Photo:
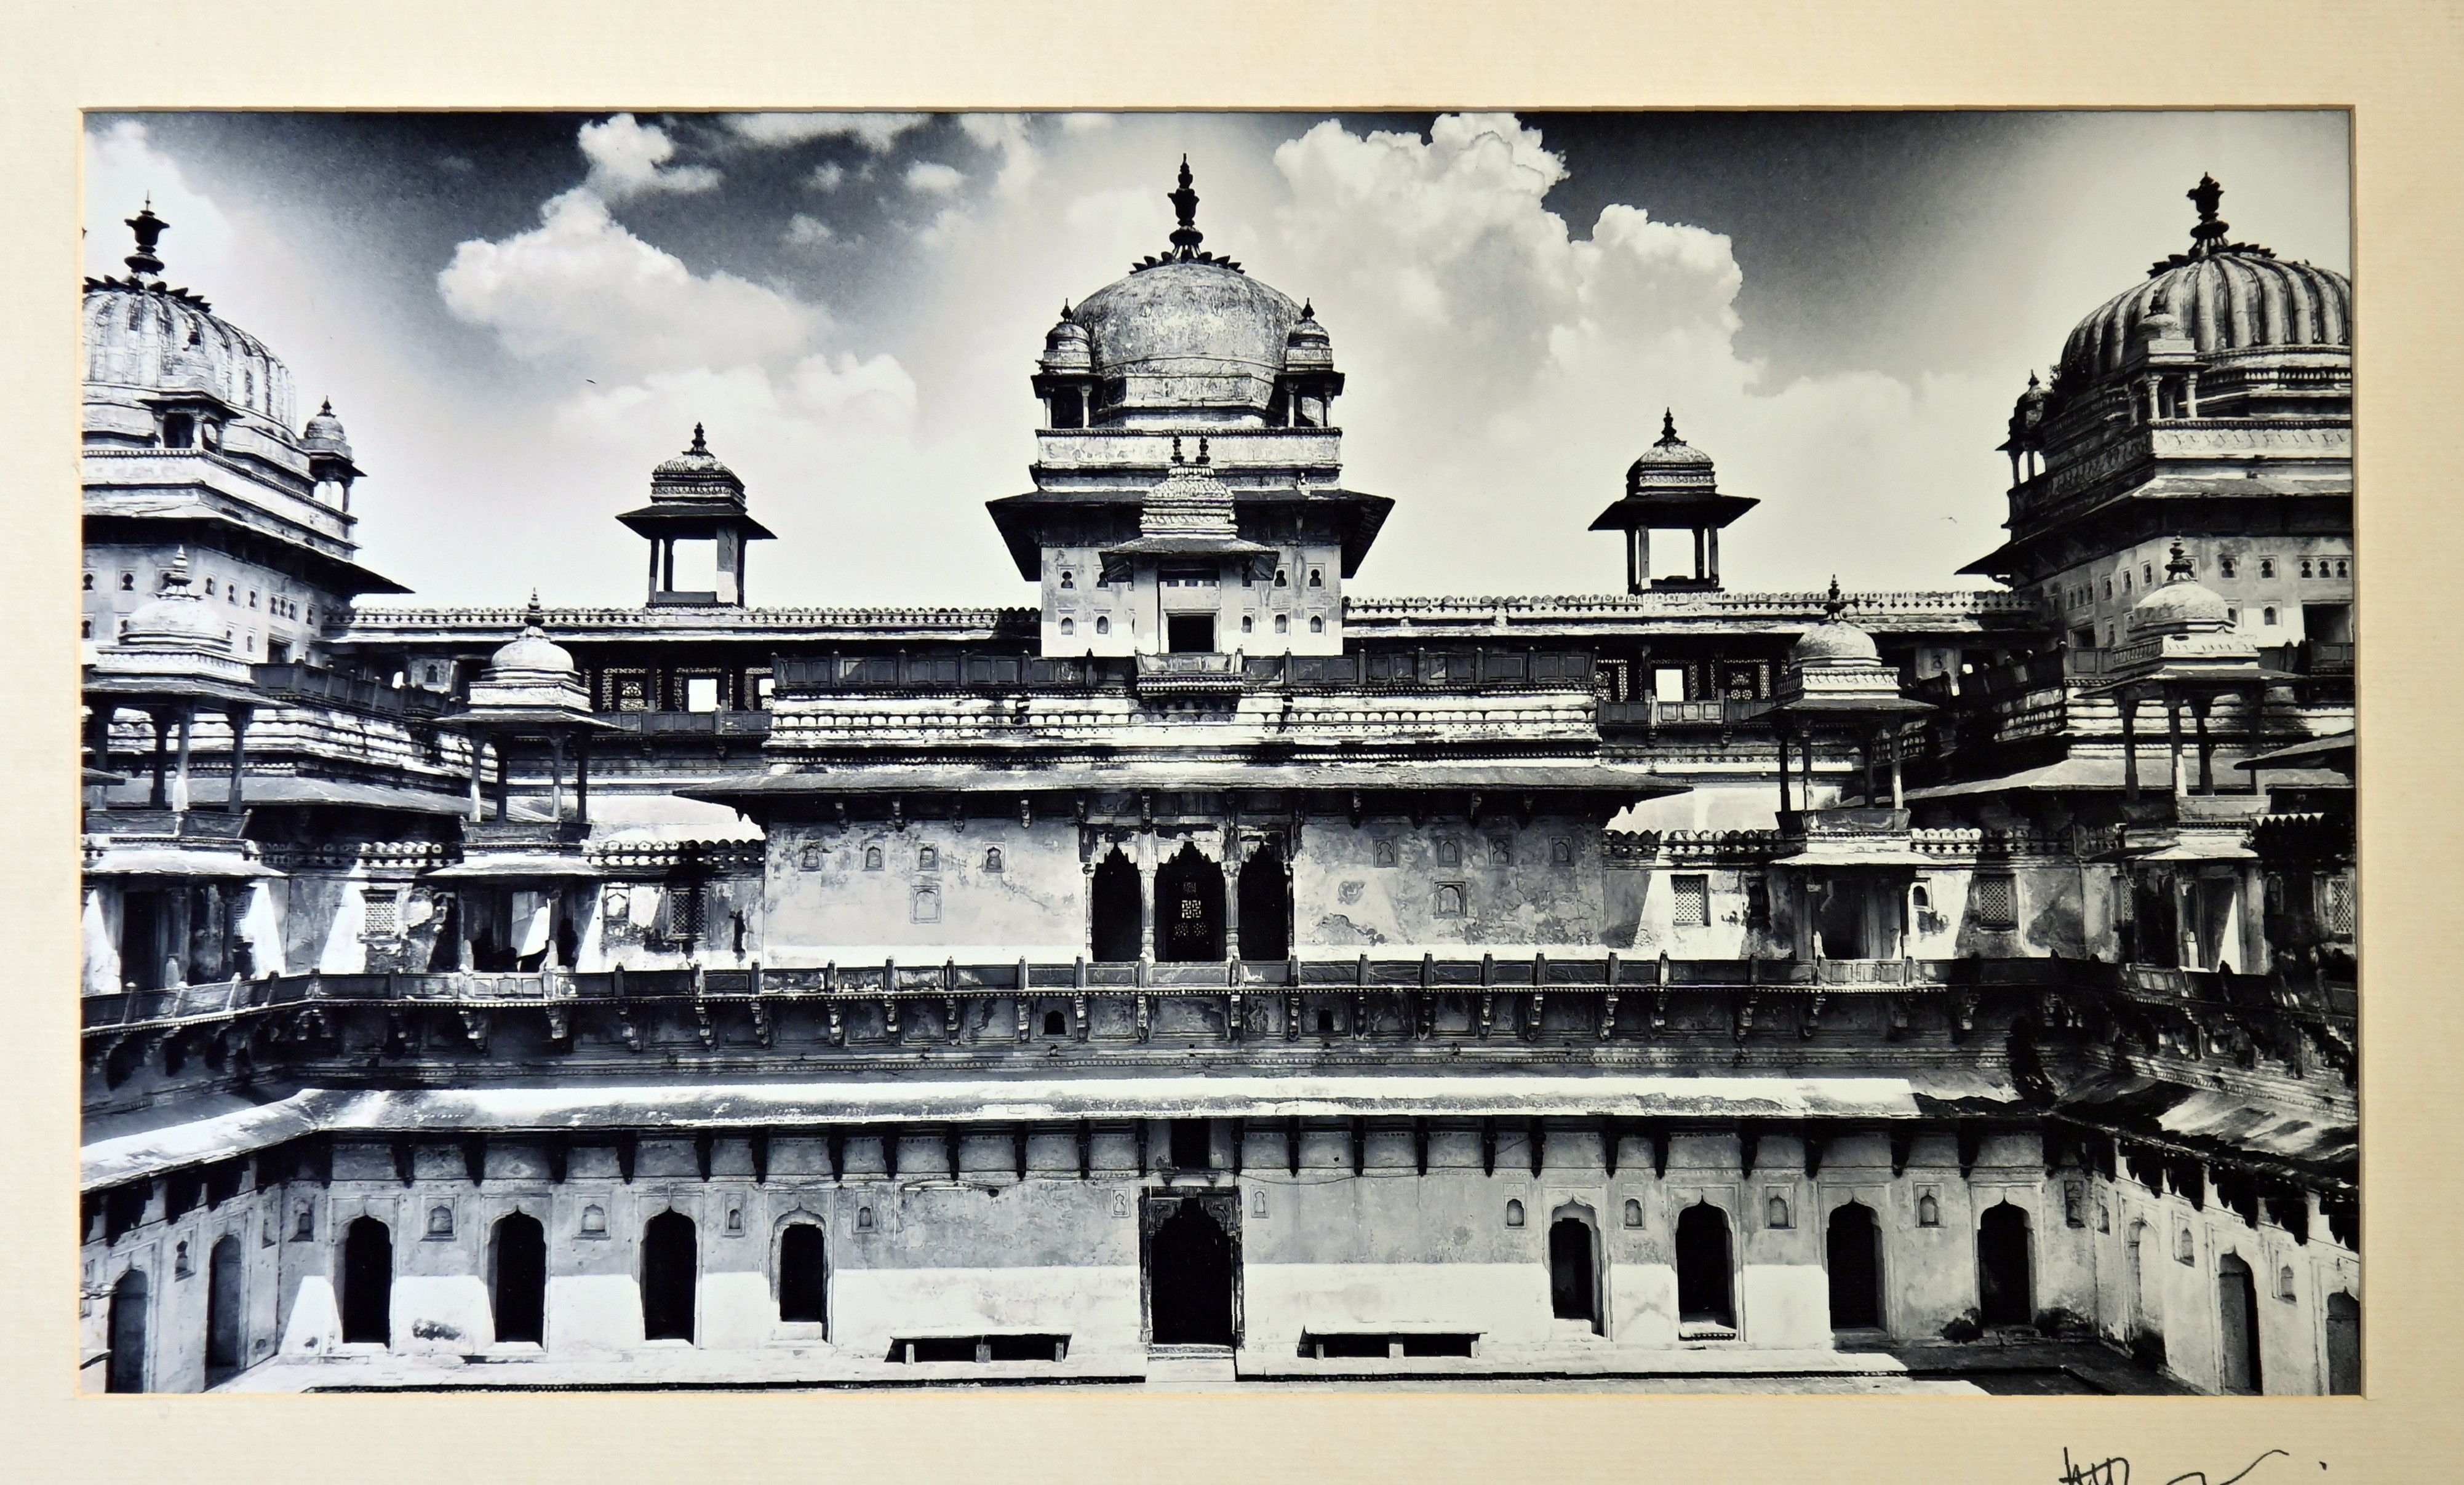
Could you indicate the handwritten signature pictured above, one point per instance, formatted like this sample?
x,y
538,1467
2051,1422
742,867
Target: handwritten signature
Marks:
x,y
2117,1471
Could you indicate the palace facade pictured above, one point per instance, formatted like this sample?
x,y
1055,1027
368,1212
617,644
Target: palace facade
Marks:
x,y
1204,974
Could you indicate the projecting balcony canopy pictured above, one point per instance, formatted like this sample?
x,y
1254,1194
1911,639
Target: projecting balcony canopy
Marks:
x,y
1022,519
171,861
1500,781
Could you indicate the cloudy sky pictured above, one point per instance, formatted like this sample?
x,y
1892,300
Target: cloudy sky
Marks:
x,y
516,316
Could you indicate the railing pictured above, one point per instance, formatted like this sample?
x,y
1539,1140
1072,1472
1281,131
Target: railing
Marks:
x,y
1588,972
309,683
1652,713
1454,665
690,724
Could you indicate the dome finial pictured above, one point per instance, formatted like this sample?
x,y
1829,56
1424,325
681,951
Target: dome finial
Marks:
x,y
1308,309
535,618
2181,567
698,446
1835,606
1668,427
177,579
1067,316
1203,457
1176,448
2209,234
149,229
1186,237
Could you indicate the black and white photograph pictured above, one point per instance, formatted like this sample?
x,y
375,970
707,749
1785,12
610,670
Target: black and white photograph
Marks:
x,y
1615,752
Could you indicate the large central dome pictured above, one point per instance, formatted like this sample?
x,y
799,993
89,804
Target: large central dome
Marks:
x,y
1188,331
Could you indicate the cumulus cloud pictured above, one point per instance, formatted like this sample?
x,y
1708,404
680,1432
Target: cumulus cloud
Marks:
x,y
930,177
807,232
876,132
579,287
1504,371
827,177
628,158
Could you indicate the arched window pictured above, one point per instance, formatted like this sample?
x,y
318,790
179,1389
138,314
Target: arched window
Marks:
x,y
1775,1213
1317,578
926,905
2186,1246
2305,567
993,859
2004,1295
1449,853
2147,573
864,1219
872,858
1632,1212
85,628
2225,566
518,1278
594,1221
225,1317
1069,625
1055,1024
1069,580
1283,579
1574,1271
1283,623
1703,1277
1103,624
803,1279
1382,853
2125,584
89,582
2267,616
2343,569
928,858
2108,589
671,1265
126,1370
1514,1214
1317,625
127,583
1326,1027
1248,624
1852,1254
809,859
440,1221
1561,853
2287,1286
367,1282
1928,1210
2237,1326
2267,567
1449,903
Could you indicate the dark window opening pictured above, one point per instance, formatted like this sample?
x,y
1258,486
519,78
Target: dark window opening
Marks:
x,y
126,1370
2004,1295
1190,1260
1324,1021
1265,906
225,1319
1854,1257
804,1288
1189,908
1703,1278
517,1278
1117,909
1055,1024
179,430
1192,1145
1572,1293
669,1264
367,1282
1189,634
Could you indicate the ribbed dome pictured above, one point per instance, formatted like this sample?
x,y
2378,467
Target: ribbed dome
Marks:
x,y
1189,318
2180,604
142,333
1833,639
176,619
532,658
1669,465
323,433
696,475
2226,297
1067,345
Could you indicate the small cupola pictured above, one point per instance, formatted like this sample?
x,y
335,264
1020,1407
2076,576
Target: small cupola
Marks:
x,y
1672,488
698,524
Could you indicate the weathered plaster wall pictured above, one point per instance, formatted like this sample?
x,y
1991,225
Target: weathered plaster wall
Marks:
x,y
1380,885
824,903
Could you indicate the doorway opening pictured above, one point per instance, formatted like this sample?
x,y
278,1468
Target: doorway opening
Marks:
x,y
803,1276
2237,1326
669,1262
1266,904
225,1317
1854,1255
1704,1296
1574,1271
367,1282
1190,634
1114,908
2004,1287
1192,1264
126,1372
1189,910
517,1278
2343,1344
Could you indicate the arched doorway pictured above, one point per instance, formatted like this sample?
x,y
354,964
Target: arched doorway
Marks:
x,y
804,1278
518,1278
2004,1292
1574,1271
2343,1344
1189,1271
1265,906
669,1271
2237,1326
1113,906
126,1372
1852,1251
367,1282
1189,908
225,1316
1703,1278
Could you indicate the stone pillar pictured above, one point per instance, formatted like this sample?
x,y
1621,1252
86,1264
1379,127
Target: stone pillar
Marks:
x,y
556,776
180,779
1808,770
1642,559
504,783
2128,705
654,565
239,719
2175,779
1232,894
2207,751
1147,900
159,796
478,761
1712,537
582,778
1782,730
1898,801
